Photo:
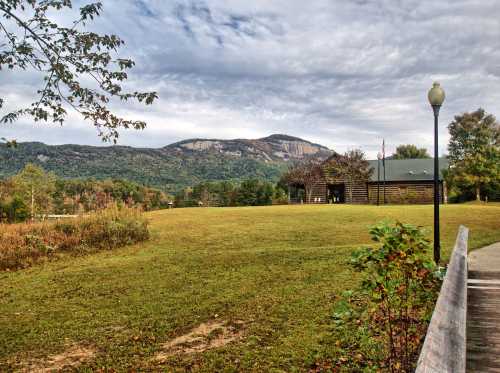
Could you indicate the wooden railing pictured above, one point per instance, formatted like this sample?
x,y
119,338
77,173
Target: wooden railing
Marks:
x,y
444,348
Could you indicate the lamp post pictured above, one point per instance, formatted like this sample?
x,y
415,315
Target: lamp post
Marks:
x,y
436,98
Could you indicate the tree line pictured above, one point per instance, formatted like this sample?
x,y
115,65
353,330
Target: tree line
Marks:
x,y
35,193
251,192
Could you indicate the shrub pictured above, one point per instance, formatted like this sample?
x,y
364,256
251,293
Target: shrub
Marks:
x,y
22,245
383,323
13,210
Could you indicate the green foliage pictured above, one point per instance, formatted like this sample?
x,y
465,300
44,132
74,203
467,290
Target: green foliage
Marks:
x,y
250,192
67,58
390,311
474,154
410,151
13,210
280,195
35,186
42,193
25,244
254,193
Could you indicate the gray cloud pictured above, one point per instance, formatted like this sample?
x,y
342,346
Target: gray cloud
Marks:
x,y
342,73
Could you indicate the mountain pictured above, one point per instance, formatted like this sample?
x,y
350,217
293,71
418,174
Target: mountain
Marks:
x,y
172,167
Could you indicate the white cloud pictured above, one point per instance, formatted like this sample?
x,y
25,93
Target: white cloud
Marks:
x,y
342,73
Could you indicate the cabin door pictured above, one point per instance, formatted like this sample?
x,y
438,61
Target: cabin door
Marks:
x,y
336,193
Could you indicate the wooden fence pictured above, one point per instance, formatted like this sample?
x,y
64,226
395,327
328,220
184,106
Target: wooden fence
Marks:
x,y
444,348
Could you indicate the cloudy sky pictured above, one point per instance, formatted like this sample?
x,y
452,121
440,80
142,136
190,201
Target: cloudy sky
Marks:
x,y
343,73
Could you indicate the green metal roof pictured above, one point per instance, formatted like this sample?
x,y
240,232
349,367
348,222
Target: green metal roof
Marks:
x,y
408,169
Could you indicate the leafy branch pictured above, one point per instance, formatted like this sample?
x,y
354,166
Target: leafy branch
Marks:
x,y
67,57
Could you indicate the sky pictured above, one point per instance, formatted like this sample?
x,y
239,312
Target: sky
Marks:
x,y
342,73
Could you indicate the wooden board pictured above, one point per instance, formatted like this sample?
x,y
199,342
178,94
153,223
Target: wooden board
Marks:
x,y
483,322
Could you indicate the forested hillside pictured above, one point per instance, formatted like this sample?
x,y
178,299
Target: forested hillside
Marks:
x,y
170,168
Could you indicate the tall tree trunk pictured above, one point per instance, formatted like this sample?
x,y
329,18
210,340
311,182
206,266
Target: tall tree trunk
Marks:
x,y
478,193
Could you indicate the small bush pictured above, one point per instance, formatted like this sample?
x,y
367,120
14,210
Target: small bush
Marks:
x,y
383,323
22,245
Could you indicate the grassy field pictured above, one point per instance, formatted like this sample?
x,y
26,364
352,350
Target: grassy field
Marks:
x,y
262,278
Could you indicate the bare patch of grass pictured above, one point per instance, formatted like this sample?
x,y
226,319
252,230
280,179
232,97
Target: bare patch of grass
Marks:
x,y
212,334
72,357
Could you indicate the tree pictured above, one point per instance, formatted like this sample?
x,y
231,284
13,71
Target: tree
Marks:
x,y
351,167
36,187
12,207
265,194
410,151
247,193
78,68
253,192
13,210
307,174
474,151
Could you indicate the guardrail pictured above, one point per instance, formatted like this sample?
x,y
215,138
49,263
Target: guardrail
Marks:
x,y
444,347
54,217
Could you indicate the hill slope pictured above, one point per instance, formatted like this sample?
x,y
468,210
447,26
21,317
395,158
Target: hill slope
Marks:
x,y
266,270
171,167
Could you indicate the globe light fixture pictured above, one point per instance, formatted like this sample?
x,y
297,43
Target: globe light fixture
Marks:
x,y
436,95
436,98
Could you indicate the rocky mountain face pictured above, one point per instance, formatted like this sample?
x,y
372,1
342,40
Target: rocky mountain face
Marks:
x,y
172,167
267,149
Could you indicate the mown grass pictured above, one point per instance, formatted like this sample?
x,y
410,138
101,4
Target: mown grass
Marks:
x,y
278,269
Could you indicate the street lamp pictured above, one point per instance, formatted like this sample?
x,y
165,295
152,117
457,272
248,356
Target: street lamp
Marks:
x,y
436,98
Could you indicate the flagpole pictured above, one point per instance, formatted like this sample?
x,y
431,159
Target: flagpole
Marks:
x,y
383,164
379,156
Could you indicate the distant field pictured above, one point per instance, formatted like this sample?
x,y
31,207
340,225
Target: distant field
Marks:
x,y
260,280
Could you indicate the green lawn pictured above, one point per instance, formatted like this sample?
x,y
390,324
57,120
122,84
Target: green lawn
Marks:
x,y
276,269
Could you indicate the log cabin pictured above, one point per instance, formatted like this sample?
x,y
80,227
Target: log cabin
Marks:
x,y
407,181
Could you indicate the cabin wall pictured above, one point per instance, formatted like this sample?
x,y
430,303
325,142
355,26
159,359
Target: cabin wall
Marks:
x,y
318,193
359,192
411,192
359,189
396,192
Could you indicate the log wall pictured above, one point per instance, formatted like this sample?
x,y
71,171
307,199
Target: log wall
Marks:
x,y
404,192
396,192
411,192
